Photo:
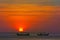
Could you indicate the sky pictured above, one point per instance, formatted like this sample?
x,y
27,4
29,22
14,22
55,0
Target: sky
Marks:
x,y
32,15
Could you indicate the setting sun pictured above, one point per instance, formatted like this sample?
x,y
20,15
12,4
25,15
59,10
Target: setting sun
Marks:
x,y
20,29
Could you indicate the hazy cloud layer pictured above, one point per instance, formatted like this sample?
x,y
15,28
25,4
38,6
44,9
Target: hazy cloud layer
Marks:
x,y
38,2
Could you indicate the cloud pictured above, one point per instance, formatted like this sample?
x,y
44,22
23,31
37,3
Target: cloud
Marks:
x,y
38,2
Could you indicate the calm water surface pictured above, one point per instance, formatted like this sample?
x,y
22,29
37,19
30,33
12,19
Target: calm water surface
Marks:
x,y
30,39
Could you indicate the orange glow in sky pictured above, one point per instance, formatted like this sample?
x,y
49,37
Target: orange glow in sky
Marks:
x,y
30,16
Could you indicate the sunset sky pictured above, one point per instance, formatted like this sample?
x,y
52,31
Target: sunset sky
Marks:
x,y
32,15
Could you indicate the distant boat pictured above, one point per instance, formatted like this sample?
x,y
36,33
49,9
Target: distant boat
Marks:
x,y
23,34
43,34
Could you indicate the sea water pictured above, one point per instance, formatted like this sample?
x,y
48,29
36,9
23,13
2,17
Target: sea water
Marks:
x,y
13,36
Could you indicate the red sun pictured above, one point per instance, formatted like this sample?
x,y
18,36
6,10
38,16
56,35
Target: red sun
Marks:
x,y
21,29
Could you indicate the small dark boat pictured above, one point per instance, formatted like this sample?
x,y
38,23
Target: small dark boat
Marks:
x,y
23,34
43,34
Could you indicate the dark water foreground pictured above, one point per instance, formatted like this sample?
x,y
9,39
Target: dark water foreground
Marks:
x,y
29,38
13,36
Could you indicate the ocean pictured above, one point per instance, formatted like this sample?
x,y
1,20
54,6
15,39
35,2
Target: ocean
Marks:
x,y
30,39
13,36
